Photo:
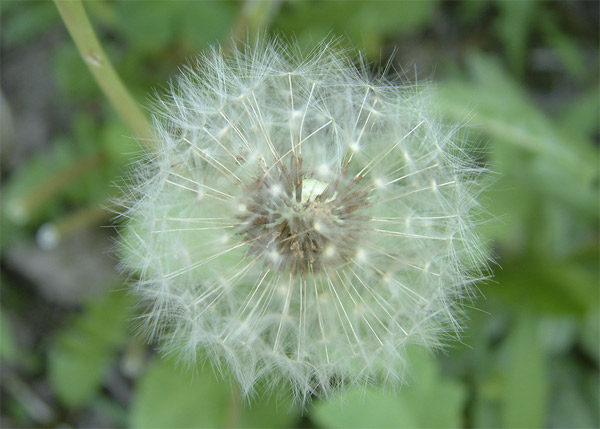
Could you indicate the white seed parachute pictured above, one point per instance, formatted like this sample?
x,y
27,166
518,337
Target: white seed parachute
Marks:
x,y
300,222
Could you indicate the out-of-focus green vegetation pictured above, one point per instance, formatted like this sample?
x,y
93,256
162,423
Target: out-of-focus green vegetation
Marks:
x,y
521,76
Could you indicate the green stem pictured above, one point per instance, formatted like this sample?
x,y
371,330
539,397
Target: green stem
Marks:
x,y
234,408
80,28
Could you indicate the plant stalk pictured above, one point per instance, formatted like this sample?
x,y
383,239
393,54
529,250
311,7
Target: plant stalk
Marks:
x,y
76,20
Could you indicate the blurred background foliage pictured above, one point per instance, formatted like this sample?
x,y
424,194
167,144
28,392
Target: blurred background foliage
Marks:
x,y
523,76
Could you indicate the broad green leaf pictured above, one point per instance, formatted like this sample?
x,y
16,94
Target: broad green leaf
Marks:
x,y
525,393
360,408
83,350
428,401
169,395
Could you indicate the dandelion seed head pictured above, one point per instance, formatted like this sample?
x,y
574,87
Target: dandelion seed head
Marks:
x,y
299,221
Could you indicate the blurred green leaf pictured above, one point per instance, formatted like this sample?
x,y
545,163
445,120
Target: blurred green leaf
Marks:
x,y
581,116
168,396
558,334
84,349
147,25
25,21
205,23
508,198
513,26
23,182
111,410
575,399
485,412
103,15
80,169
274,410
397,17
566,49
119,145
590,335
160,24
110,147
537,284
8,347
556,184
10,230
526,393
71,74
364,24
76,373
172,396
499,108
469,12
364,409
429,401
474,358
537,165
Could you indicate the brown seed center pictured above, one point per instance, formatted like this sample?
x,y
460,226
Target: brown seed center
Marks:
x,y
300,223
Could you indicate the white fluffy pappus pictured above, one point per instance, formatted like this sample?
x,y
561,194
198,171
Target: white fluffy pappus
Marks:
x,y
300,222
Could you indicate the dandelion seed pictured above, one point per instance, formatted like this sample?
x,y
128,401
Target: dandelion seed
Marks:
x,y
300,222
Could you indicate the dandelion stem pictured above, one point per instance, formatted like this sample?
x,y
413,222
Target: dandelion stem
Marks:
x,y
234,407
80,29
